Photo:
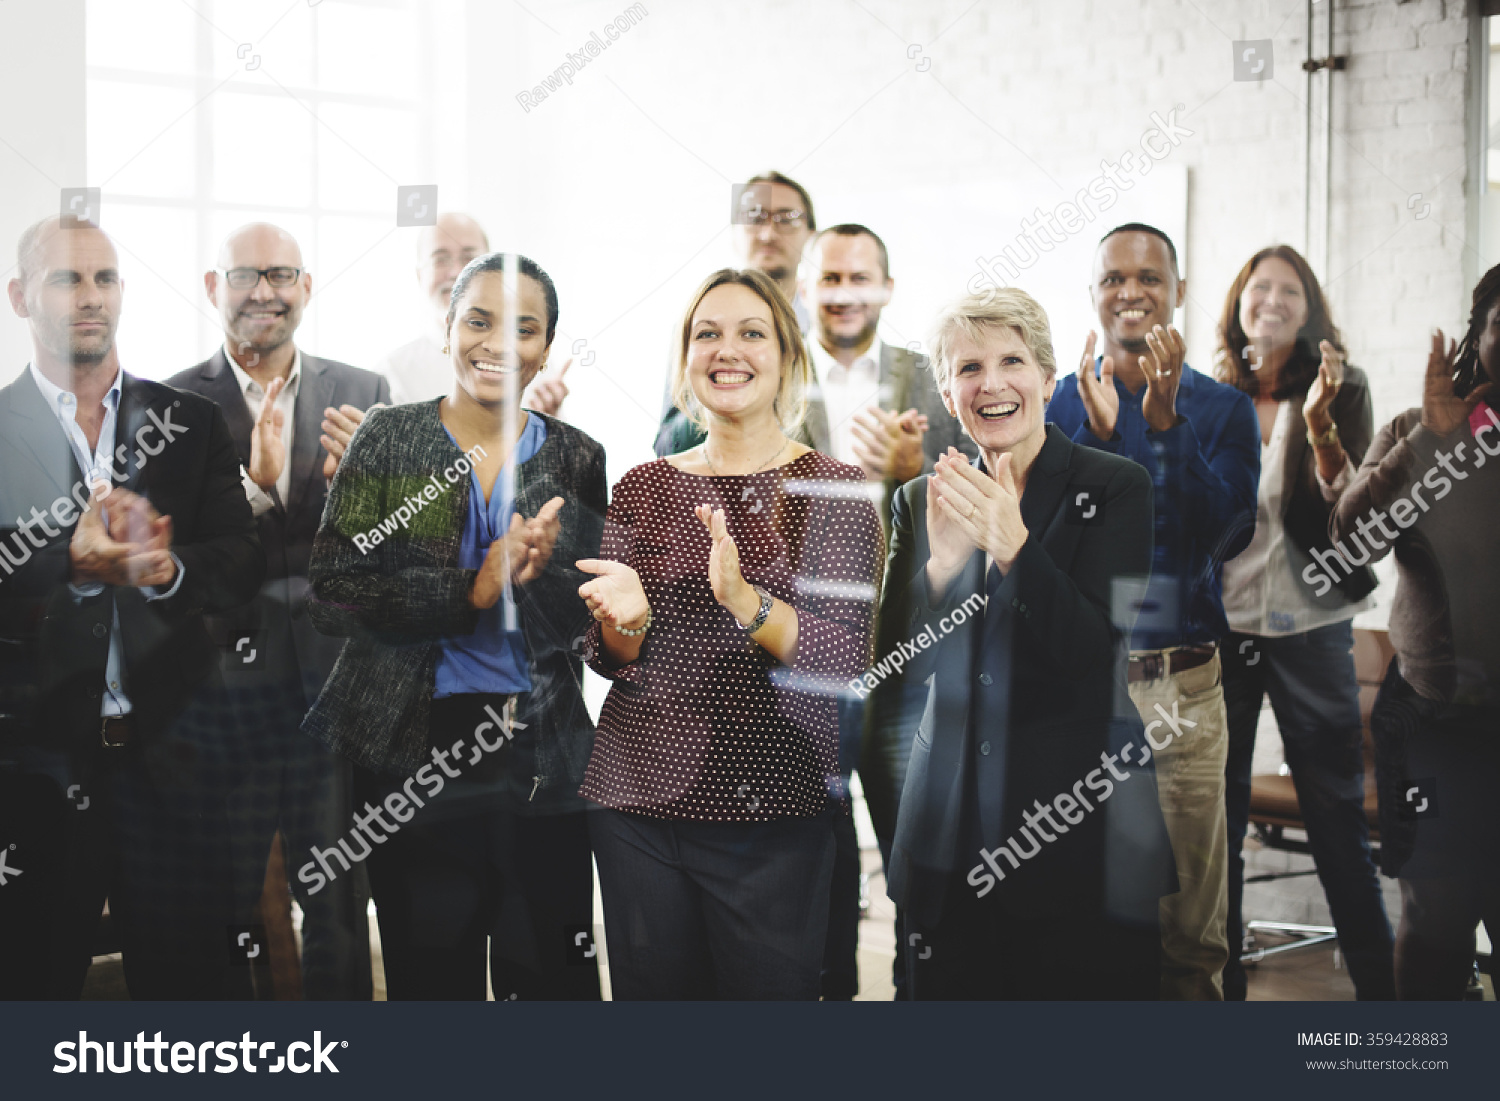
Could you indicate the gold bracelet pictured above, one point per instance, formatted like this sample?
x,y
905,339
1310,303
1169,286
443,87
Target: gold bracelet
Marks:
x,y
1327,439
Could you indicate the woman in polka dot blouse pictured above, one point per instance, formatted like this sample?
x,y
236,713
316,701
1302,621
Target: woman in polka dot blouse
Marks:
x,y
732,597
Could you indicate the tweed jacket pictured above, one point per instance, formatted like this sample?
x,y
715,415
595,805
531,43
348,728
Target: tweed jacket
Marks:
x,y
397,602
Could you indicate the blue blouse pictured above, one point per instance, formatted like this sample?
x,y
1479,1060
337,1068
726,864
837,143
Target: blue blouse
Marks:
x,y
492,659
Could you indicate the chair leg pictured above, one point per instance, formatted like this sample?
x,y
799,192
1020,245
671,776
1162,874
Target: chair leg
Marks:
x,y
1307,936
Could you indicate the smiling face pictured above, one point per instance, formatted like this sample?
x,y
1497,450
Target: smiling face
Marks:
x,y
998,391
733,355
850,289
489,367
1135,288
261,318
71,295
1273,305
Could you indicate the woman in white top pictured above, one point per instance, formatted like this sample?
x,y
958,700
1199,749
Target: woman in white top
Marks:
x,y
1290,598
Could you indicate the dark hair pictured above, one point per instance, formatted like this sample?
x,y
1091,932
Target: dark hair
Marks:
x,y
1468,372
1142,227
1302,365
495,261
787,181
854,229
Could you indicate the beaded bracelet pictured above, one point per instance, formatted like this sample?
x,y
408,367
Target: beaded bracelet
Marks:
x,y
637,632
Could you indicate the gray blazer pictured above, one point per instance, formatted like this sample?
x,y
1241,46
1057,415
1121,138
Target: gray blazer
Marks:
x,y
397,603
294,650
906,382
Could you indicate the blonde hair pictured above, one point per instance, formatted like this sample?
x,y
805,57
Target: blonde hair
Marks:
x,y
999,307
796,366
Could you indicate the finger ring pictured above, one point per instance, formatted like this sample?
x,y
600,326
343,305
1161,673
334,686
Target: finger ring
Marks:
x,y
972,509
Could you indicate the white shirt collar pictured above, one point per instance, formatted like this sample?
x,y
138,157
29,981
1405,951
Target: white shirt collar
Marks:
x,y
245,381
823,361
54,394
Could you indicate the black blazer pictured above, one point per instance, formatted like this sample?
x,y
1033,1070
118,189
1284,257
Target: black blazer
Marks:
x,y
278,616
1024,696
1305,514
53,646
397,603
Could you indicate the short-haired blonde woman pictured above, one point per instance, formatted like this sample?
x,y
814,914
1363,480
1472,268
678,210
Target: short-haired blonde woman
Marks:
x,y
733,596
1030,852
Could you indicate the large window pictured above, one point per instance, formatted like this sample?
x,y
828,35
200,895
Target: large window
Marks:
x,y
205,114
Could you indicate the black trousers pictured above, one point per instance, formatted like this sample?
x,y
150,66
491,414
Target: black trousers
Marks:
x,y
975,952
471,875
141,827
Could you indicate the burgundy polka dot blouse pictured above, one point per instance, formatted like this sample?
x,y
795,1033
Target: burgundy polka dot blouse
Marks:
x,y
705,724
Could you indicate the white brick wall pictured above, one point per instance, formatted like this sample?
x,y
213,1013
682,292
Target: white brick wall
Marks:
x,y
740,86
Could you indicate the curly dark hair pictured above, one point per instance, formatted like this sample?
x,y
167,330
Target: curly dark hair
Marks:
x,y
1302,366
1468,372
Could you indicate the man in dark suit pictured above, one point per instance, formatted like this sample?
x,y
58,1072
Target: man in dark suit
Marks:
x,y
291,416
129,526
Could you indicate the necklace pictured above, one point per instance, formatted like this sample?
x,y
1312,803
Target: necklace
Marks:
x,y
757,470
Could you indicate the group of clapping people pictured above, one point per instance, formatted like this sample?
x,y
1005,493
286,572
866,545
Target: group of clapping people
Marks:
x,y
1058,780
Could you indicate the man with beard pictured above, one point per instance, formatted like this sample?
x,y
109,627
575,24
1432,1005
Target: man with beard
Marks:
x,y
769,238
130,525
1200,442
875,406
291,416
419,370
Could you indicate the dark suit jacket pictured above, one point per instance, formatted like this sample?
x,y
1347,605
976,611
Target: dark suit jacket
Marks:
x,y
295,650
397,603
54,645
1305,514
1025,696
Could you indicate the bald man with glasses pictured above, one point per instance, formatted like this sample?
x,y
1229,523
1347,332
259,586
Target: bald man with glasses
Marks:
x,y
291,416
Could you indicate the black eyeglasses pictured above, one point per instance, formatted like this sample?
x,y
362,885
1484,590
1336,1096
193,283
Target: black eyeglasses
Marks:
x,y
784,220
242,279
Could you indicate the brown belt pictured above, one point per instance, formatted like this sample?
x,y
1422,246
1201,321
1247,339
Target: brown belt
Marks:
x,y
1155,664
116,733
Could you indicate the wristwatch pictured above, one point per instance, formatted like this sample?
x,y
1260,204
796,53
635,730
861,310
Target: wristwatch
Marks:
x,y
762,615
1326,439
